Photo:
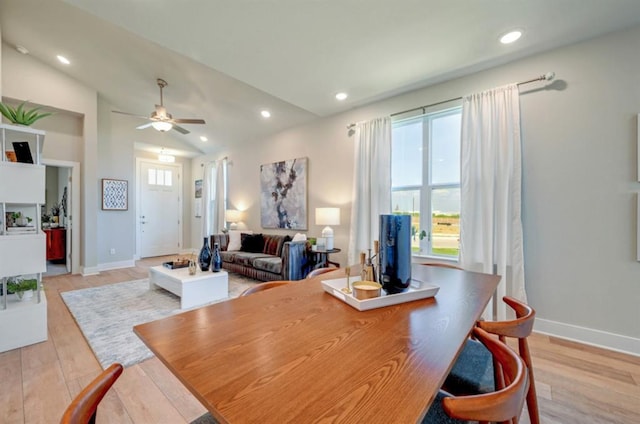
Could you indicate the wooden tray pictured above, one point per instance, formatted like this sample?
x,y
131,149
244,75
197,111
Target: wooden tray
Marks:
x,y
417,290
175,265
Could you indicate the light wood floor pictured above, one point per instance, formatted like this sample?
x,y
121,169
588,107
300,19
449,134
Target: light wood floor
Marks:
x,y
576,383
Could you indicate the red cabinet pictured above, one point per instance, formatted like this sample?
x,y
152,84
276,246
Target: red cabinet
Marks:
x,y
56,243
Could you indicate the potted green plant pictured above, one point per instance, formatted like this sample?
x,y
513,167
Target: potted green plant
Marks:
x,y
20,115
55,212
23,288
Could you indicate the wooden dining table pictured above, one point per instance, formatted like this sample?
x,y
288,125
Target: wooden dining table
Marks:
x,y
296,354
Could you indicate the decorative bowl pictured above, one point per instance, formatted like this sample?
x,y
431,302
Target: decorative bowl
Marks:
x,y
366,290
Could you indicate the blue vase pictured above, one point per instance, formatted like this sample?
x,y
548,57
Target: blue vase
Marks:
x,y
395,253
204,258
216,261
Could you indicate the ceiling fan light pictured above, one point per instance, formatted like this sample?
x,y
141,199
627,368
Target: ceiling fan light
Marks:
x,y
162,125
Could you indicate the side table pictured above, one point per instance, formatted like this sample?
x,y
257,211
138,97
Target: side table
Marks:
x,y
322,258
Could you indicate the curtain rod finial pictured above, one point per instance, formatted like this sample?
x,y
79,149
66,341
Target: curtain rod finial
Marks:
x,y
549,76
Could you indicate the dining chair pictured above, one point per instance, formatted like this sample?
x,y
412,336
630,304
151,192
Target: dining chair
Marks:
x,y
319,271
504,405
82,410
476,371
264,286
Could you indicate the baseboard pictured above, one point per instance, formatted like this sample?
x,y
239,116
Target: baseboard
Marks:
x,y
616,342
117,265
85,271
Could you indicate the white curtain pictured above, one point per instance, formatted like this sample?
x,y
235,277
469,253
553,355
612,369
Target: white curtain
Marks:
x,y
214,195
371,184
491,168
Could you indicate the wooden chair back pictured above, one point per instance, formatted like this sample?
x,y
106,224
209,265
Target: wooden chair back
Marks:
x,y
519,328
320,271
82,409
502,405
264,286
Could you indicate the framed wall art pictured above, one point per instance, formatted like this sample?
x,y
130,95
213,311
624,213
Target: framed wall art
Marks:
x,y
115,195
283,194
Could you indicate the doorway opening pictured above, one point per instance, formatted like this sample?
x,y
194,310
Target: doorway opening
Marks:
x,y
62,205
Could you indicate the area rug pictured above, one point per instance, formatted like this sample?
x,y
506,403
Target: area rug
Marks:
x,y
107,314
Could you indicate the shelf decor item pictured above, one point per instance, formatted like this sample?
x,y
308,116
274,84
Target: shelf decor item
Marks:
x,y
114,195
395,253
204,258
20,115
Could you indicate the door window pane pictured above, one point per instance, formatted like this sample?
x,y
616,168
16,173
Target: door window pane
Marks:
x,y
152,176
160,177
167,178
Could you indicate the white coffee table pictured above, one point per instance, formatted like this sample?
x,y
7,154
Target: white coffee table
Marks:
x,y
193,290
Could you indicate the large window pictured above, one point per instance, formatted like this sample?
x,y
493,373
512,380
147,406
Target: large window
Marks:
x,y
425,180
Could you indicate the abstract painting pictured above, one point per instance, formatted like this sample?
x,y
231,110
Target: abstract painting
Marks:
x,y
283,194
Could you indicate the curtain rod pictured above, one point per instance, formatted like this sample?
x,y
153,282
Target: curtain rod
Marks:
x,y
214,161
546,77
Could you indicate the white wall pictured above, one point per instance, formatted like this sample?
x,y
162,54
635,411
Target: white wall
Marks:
x,y
579,182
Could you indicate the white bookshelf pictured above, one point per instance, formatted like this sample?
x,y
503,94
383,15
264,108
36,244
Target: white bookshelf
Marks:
x,y
22,245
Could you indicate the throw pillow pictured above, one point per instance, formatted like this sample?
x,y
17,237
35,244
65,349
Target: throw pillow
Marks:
x,y
299,237
235,242
273,244
253,243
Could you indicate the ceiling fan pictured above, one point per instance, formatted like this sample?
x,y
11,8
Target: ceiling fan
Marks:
x,y
162,120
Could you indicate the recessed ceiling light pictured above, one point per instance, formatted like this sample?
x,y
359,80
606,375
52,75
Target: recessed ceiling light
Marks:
x,y
265,114
203,138
22,49
63,59
510,37
341,96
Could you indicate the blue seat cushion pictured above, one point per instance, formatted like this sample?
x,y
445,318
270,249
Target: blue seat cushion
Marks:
x,y
437,415
472,372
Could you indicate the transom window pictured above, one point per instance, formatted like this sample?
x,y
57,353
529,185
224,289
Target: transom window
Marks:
x,y
425,180
160,177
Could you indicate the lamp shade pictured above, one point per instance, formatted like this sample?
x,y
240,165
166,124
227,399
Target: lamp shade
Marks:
x,y
327,216
233,215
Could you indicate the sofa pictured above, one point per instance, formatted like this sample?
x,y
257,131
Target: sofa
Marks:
x,y
264,257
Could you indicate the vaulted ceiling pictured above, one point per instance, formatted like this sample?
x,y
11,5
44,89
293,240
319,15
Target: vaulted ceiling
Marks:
x,y
225,61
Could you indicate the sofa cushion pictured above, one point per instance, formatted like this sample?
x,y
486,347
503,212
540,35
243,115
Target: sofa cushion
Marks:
x,y
228,256
252,243
269,264
246,258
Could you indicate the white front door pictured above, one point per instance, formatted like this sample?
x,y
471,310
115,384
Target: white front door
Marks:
x,y
159,209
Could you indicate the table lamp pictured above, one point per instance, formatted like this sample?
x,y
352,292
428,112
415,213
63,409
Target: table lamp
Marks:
x,y
233,216
328,216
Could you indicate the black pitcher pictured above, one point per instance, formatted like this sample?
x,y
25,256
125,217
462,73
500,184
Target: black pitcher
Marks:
x,y
204,258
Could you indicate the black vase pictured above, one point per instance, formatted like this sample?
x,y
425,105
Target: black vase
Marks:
x,y
216,262
395,253
204,258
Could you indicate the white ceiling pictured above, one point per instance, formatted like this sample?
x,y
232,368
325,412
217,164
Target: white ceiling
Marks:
x,y
227,60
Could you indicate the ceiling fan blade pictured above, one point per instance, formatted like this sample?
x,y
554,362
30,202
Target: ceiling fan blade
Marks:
x,y
143,126
188,121
180,129
130,114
